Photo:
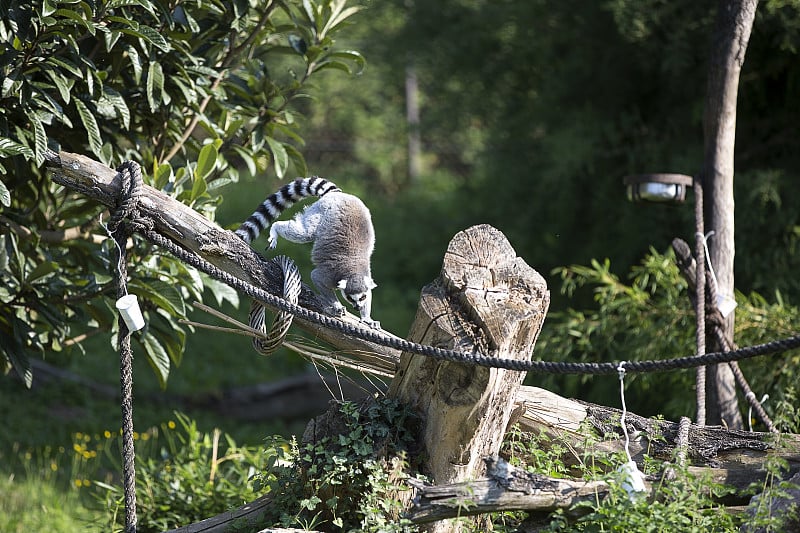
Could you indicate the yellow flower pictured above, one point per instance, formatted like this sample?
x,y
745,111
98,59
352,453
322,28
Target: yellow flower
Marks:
x,y
171,424
78,483
53,466
107,434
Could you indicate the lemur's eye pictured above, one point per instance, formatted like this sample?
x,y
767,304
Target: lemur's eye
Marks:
x,y
363,297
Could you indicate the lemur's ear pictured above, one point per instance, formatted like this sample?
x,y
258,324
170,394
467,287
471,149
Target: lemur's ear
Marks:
x,y
342,284
369,283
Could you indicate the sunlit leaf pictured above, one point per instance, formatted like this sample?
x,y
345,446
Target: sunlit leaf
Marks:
x,y
222,292
40,139
150,35
162,294
155,85
279,156
10,147
162,176
5,200
339,13
206,161
77,18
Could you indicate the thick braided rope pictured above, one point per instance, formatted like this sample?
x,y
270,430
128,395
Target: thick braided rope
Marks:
x,y
273,337
384,338
131,175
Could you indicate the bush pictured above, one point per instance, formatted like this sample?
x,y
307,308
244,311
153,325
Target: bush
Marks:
x,y
193,91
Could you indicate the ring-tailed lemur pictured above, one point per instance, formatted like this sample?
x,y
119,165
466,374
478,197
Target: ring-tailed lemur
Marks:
x,y
339,225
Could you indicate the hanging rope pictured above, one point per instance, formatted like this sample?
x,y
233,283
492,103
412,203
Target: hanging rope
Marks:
x,y
121,227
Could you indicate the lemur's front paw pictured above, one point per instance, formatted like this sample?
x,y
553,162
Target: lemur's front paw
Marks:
x,y
336,309
374,324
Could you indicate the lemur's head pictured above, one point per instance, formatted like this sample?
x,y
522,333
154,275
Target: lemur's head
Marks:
x,y
357,290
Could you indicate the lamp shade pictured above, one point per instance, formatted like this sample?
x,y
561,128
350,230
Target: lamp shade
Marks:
x,y
661,188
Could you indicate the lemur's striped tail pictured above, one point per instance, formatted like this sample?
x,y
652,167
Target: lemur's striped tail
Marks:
x,y
271,208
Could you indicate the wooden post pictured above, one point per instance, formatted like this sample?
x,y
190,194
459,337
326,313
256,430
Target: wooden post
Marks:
x,y
485,299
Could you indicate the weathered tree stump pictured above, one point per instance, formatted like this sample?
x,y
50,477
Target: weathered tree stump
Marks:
x,y
486,299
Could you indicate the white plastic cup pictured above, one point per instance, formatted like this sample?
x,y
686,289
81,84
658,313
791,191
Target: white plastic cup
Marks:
x,y
726,304
128,307
632,480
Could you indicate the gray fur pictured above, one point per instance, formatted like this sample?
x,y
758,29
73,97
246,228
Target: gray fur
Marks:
x,y
340,227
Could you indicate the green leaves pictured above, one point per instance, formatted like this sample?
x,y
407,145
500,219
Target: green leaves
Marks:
x,y
155,85
91,127
5,199
280,158
194,93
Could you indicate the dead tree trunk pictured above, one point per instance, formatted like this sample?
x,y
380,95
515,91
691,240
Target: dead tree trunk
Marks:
x,y
731,34
486,299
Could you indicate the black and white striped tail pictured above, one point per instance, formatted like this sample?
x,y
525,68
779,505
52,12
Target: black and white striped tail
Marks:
x,y
271,208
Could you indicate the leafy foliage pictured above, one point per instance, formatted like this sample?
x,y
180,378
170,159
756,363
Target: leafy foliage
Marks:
x,y
193,476
348,481
650,317
194,91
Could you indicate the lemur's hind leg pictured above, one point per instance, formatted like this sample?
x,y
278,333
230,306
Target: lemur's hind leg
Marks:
x,y
301,229
330,301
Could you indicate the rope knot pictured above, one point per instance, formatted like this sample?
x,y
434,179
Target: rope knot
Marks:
x,y
130,175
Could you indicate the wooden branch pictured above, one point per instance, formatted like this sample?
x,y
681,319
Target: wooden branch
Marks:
x,y
735,458
194,232
506,489
247,515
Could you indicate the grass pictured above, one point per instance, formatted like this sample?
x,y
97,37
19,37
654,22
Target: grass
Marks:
x,y
31,504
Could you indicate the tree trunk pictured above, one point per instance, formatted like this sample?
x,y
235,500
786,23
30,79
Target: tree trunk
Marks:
x,y
729,44
486,299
